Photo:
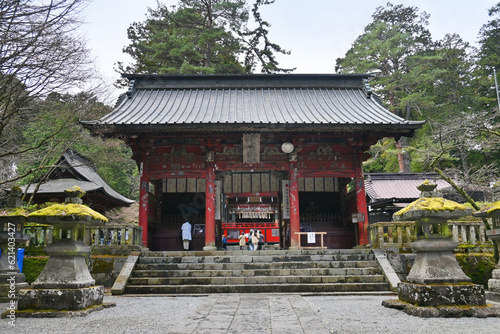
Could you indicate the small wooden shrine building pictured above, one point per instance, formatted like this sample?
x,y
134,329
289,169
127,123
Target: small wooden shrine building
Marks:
x,y
276,153
74,169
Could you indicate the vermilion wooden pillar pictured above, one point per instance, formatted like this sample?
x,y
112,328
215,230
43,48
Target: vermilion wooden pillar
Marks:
x,y
144,201
210,208
294,206
361,200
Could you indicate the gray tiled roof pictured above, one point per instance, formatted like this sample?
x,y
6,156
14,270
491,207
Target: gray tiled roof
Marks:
x,y
289,101
399,186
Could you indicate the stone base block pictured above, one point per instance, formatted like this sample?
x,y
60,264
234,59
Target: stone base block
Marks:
x,y
442,294
56,314
60,299
494,285
493,296
443,311
10,284
495,274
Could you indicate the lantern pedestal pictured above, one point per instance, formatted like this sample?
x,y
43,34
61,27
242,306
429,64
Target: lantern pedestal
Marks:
x,y
12,220
436,285
11,279
65,284
493,292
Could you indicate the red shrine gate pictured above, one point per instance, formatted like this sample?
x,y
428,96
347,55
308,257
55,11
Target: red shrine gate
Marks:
x,y
221,192
229,153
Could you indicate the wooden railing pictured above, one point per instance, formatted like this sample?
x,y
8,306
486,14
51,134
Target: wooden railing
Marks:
x,y
399,234
321,234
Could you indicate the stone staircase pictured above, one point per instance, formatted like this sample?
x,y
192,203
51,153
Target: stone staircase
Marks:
x,y
283,271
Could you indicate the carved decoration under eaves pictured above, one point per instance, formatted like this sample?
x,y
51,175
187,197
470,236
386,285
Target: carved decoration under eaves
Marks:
x,y
230,150
272,150
209,156
293,156
323,150
178,151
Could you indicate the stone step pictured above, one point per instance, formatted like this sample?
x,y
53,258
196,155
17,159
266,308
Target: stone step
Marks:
x,y
258,272
257,280
150,254
256,288
246,258
256,265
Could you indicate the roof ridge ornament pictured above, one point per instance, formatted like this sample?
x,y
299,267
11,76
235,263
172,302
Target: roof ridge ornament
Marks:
x,y
131,88
366,88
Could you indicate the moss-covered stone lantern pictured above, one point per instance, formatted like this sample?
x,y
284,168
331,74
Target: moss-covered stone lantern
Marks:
x,y
65,283
493,211
12,220
436,279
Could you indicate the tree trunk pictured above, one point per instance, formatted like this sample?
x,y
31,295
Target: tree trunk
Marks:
x,y
403,156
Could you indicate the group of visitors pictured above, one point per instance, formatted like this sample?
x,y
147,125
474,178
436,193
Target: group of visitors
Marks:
x,y
255,240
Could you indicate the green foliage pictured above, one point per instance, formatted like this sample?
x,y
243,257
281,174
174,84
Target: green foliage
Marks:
x,y
33,266
201,37
57,117
53,126
384,157
394,46
113,163
442,82
488,56
477,266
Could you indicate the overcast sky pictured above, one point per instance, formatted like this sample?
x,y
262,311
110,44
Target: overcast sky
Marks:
x,y
315,31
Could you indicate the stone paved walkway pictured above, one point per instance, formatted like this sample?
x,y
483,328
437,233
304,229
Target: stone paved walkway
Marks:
x,y
249,314
240,313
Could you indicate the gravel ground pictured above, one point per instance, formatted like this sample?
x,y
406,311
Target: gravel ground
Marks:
x,y
130,315
365,314
158,314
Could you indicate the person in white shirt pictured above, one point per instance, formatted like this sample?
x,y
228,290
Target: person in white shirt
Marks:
x,y
186,235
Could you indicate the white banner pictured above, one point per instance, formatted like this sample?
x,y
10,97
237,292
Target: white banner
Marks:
x,y
285,188
217,203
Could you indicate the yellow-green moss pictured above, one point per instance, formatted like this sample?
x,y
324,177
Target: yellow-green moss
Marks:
x,y
432,204
13,212
33,266
62,210
102,264
494,207
478,266
75,190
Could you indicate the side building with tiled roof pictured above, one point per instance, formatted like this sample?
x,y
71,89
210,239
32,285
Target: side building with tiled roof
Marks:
x,y
389,192
73,169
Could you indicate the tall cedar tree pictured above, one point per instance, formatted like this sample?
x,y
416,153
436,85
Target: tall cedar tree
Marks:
x,y
207,36
394,46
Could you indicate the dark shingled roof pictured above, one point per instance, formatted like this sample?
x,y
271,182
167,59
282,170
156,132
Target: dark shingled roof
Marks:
x,y
84,176
242,102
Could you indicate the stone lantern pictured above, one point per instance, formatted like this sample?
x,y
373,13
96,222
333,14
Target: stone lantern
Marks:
x,y
65,283
12,219
493,211
436,284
